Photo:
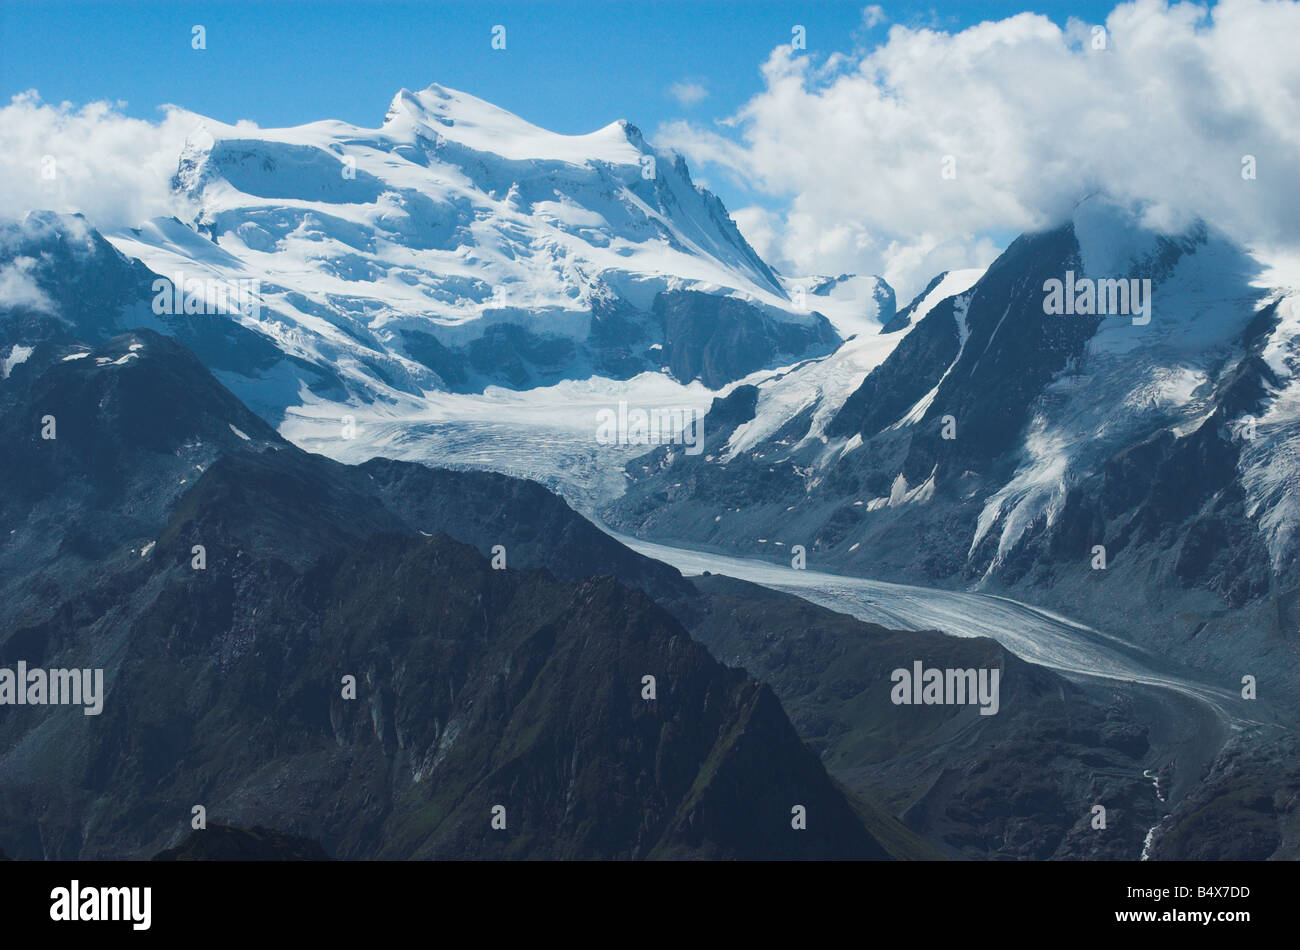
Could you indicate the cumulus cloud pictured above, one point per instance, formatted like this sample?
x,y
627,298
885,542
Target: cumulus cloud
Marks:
x,y
688,93
1026,118
93,159
18,288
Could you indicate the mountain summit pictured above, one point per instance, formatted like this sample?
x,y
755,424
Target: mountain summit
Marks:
x,y
458,246
483,127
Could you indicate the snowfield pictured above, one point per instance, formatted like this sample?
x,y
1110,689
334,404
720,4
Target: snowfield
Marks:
x,y
452,216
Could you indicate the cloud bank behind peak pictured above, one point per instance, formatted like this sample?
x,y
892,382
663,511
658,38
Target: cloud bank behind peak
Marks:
x,y
921,154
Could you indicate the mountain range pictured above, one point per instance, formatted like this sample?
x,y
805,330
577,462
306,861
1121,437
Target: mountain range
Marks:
x,y
1137,476
362,367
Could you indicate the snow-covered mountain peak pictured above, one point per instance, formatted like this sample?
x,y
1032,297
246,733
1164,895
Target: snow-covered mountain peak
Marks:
x,y
567,218
454,116
42,225
1118,240
457,226
1111,237
395,275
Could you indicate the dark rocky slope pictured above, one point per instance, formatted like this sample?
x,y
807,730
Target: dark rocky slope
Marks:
x,y
475,687
225,843
1189,571
1020,784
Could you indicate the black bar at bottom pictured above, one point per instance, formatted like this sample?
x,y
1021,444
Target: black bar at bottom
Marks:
x,y
336,899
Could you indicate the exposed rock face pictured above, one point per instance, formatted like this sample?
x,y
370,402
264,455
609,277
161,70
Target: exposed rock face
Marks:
x,y
720,339
1020,784
1247,809
1003,446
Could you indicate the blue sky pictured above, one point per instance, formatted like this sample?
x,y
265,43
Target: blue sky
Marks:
x,y
829,174
571,67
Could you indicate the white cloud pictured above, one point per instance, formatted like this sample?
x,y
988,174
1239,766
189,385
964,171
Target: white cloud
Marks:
x,y
114,169
758,227
872,16
1034,118
688,93
18,288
